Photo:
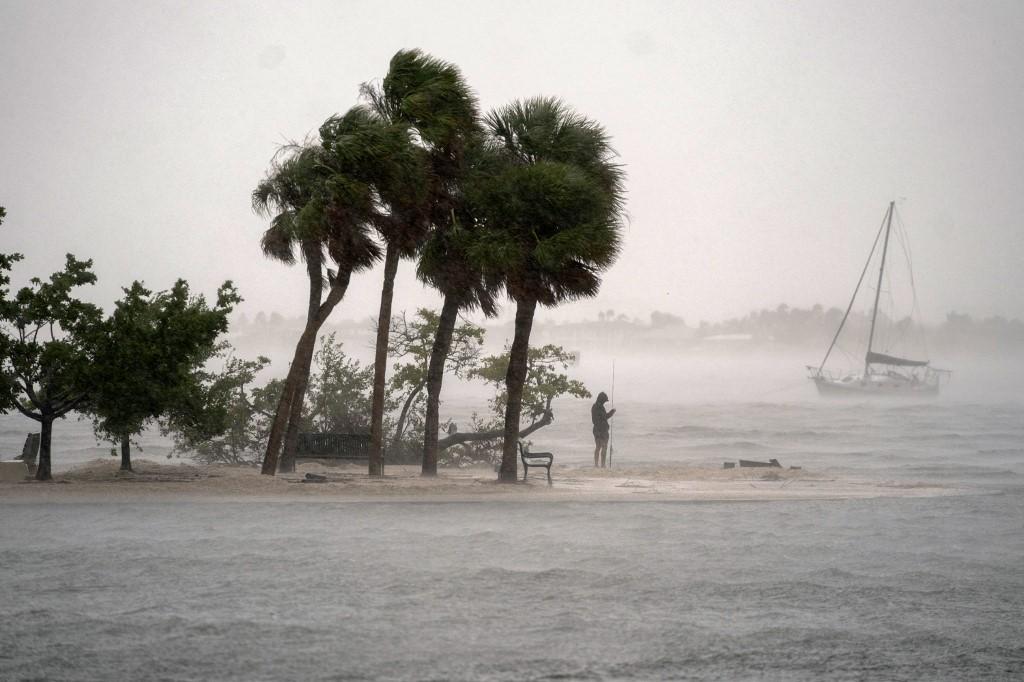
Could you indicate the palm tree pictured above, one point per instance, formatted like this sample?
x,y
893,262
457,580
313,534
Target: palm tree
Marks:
x,y
324,204
447,264
287,187
429,99
553,214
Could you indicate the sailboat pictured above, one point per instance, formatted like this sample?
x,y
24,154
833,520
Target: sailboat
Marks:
x,y
883,374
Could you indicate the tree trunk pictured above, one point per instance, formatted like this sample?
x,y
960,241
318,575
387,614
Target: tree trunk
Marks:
x,y
314,270
311,251
477,436
307,342
435,376
45,438
515,379
396,439
380,363
126,453
291,438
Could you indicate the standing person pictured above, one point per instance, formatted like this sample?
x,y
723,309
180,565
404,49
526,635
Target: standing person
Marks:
x,y
601,429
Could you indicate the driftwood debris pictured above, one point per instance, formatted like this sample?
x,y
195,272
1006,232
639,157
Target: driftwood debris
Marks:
x,y
751,463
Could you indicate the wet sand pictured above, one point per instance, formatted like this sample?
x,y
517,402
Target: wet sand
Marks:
x,y
102,480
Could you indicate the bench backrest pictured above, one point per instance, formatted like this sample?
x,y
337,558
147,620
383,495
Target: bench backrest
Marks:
x,y
347,445
30,452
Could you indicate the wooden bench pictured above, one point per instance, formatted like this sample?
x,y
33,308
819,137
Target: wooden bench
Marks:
x,y
346,447
535,459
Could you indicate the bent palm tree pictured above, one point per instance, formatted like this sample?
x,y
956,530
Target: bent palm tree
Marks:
x,y
448,264
432,98
282,194
428,100
553,215
325,205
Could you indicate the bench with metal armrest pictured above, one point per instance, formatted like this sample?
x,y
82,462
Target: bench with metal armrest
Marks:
x,y
535,459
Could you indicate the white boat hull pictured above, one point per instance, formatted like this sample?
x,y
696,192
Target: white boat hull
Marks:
x,y
875,386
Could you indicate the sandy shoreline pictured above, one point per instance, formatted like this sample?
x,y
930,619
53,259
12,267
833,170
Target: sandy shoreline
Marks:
x,y
100,480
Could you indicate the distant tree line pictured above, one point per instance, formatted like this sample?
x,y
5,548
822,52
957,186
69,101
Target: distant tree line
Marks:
x,y
785,325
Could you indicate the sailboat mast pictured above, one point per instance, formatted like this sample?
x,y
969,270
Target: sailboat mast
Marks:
x,y
878,289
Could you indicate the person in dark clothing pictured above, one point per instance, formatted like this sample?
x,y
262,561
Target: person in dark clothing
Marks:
x,y
602,430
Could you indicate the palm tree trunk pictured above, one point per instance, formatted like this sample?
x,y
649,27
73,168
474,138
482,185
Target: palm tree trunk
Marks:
x,y
306,345
380,363
435,377
126,453
312,254
291,437
515,379
45,438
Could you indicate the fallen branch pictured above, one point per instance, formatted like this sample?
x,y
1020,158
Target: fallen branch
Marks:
x,y
475,437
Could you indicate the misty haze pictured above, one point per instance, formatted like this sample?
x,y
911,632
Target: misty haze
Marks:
x,y
478,341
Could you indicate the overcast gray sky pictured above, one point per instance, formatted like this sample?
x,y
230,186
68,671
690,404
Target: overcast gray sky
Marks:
x,y
762,140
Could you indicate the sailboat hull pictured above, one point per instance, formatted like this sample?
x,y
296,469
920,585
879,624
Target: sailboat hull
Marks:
x,y
857,387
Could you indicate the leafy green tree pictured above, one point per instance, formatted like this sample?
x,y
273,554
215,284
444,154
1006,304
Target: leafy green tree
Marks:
x,y
545,381
237,418
148,361
47,337
553,214
339,391
414,343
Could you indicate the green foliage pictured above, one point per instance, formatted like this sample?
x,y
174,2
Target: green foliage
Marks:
x,y
237,418
545,380
553,206
427,93
47,342
339,391
374,176
48,338
285,190
237,433
340,387
149,360
412,341
315,200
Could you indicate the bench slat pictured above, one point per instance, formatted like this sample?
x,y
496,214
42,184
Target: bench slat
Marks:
x,y
347,446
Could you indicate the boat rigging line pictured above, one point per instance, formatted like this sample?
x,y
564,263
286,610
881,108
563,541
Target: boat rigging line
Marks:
x,y
854,297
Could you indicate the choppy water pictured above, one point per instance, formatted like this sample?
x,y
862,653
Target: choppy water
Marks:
x,y
866,589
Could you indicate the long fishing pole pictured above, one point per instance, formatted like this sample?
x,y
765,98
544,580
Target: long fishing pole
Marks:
x,y
611,428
